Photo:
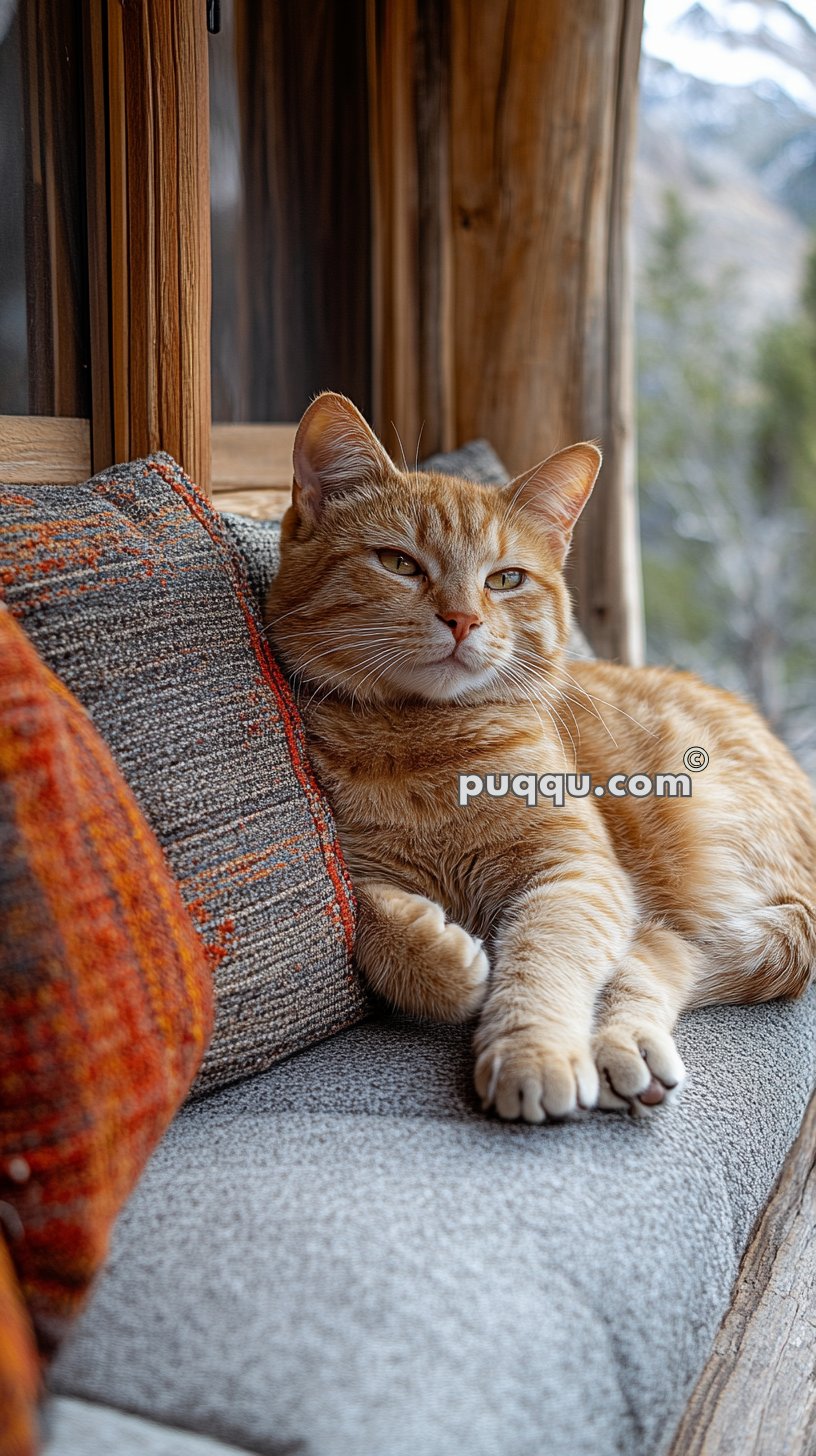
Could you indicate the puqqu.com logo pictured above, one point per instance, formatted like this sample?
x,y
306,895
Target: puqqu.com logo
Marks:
x,y
558,787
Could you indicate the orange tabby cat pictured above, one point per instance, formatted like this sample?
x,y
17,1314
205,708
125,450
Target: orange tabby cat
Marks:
x,y
423,620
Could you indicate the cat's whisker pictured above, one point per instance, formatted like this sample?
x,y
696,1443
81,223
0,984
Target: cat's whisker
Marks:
x,y
381,661
535,668
337,607
305,666
548,704
332,683
553,698
583,701
547,710
607,704
590,707
402,448
355,634
508,679
512,677
416,456
274,621
393,662
556,695
331,648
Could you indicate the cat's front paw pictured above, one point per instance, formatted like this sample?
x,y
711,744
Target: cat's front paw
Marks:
x,y
639,1067
526,1073
443,969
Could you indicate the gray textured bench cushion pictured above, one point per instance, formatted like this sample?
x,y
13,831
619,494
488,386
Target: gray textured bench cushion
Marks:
x,y
342,1257
83,1428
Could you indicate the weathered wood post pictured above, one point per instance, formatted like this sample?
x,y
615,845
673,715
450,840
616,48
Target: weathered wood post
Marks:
x,y
147,123
502,141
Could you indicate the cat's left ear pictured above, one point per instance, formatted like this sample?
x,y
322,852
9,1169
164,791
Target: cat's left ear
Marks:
x,y
335,453
556,491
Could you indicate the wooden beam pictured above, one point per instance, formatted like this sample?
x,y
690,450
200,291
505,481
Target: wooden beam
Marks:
x,y
515,322
94,41
259,505
543,100
249,461
757,1393
412,296
36,451
149,230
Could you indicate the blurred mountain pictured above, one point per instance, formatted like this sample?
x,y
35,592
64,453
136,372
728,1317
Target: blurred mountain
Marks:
x,y
741,157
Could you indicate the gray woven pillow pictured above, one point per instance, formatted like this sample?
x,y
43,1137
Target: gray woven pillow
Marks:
x,y
134,592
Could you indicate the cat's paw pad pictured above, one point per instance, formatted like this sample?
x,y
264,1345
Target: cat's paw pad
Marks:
x,y
452,963
639,1068
522,1076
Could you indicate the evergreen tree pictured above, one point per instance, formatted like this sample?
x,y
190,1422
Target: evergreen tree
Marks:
x,y
727,446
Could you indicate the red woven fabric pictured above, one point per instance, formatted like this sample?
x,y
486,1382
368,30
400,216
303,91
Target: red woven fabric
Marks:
x,y
18,1367
105,993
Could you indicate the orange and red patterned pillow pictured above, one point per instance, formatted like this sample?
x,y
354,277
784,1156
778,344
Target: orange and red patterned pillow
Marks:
x,y
19,1373
105,1011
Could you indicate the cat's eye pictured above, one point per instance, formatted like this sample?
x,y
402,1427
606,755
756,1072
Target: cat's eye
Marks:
x,y
504,580
399,563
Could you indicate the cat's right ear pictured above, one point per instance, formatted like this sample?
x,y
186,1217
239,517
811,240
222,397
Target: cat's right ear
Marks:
x,y
335,453
555,492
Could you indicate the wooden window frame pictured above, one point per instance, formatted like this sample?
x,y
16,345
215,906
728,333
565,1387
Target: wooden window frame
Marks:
x,y
146,92
149,273
147,171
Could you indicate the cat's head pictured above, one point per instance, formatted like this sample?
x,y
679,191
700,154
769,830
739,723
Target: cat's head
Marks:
x,y
398,585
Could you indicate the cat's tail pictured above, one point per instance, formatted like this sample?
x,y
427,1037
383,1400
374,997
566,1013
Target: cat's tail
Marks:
x,y
770,953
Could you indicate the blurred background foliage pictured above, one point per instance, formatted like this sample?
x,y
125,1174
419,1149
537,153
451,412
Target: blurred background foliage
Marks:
x,y
726,333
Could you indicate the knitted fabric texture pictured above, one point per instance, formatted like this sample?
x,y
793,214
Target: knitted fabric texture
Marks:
x,y
136,595
19,1375
105,992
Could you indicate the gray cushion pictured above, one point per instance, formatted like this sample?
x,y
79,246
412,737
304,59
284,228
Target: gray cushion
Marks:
x,y
477,460
135,595
343,1257
259,545
81,1428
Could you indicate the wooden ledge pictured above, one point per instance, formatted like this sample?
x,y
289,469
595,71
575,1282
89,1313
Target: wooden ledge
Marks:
x,y
252,457
757,1393
252,464
260,505
36,448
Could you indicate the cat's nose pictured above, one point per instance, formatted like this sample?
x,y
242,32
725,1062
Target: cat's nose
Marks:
x,y
460,623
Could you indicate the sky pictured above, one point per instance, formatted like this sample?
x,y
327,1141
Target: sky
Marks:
x,y
741,65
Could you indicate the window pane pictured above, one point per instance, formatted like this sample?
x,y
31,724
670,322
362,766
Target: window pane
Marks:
x,y
43,278
290,198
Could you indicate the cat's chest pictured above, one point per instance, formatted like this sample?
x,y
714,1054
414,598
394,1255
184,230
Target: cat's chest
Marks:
x,y
379,766
381,780
395,788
